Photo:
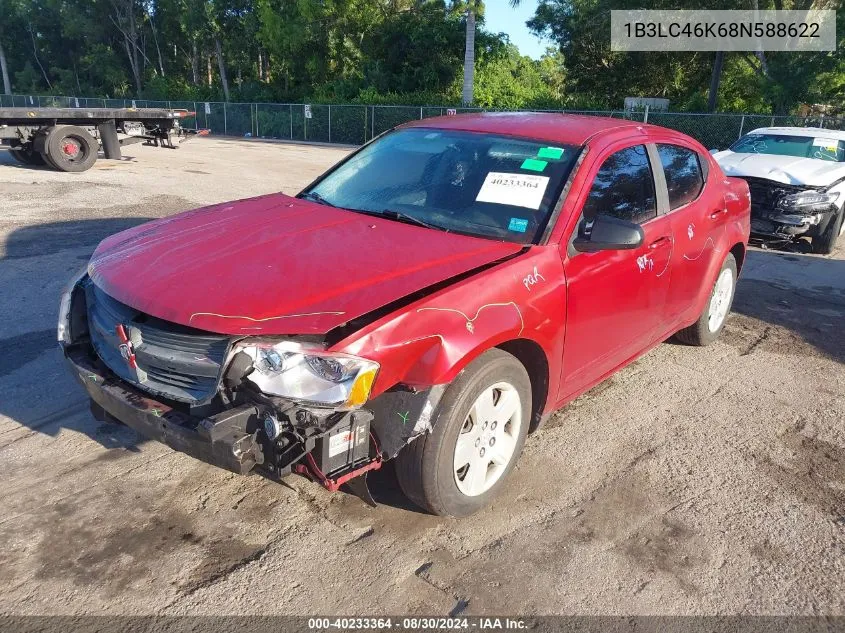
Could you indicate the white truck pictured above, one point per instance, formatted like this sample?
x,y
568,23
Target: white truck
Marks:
x,y
796,176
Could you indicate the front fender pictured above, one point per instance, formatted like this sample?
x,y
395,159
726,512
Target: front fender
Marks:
x,y
430,341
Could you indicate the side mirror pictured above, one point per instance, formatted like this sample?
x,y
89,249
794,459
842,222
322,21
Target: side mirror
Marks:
x,y
605,233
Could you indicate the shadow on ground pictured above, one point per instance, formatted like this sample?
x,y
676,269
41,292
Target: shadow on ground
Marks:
x,y
800,301
386,491
55,237
7,160
39,400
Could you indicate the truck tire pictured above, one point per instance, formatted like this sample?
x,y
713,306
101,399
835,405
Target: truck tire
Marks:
x,y
709,325
479,429
26,156
70,148
824,244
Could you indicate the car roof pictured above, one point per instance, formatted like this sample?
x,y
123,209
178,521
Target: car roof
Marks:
x,y
814,132
570,129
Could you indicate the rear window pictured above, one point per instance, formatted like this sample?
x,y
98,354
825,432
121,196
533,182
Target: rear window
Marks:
x,y
682,169
818,147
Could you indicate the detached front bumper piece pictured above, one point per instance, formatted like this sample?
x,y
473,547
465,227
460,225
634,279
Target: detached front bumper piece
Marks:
x,y
787,225
226,440
777,213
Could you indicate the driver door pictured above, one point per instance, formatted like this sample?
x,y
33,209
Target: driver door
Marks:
x,y
616,298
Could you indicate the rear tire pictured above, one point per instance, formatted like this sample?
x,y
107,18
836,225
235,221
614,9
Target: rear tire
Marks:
x,y
493,386
709,325
19,156
825,243
26,156
70,148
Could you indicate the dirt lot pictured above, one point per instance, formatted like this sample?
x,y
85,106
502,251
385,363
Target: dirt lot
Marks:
x,y
695,481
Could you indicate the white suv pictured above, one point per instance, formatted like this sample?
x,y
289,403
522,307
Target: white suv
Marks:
x,y
797,180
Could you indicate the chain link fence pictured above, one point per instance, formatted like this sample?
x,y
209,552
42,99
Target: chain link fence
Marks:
x,y
357,124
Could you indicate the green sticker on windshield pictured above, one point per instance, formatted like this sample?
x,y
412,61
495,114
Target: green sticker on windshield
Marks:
x,y
553,153
533,165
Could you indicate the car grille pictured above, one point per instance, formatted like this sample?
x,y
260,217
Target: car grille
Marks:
x,y
766,193
173,361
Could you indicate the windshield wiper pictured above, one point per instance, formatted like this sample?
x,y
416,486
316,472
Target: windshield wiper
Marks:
x,y
409,219
316,197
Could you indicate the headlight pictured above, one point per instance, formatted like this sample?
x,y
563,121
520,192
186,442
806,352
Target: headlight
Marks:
x,y
63,330
808,201
291,370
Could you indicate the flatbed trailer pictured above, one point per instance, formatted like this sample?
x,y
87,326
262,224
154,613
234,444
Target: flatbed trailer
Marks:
x,y
68,139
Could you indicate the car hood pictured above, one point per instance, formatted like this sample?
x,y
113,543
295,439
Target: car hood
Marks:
x,y
278,265
788,170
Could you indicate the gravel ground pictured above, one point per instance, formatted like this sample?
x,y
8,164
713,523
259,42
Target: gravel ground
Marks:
x,y
695,481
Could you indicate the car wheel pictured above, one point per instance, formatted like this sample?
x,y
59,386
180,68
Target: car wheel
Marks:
x,y
708,326
824,244
478,433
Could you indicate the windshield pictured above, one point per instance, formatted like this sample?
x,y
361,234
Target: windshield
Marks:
x,y
477,184
820,147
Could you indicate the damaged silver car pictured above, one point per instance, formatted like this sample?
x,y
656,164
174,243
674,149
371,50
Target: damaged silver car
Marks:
x,y
797,181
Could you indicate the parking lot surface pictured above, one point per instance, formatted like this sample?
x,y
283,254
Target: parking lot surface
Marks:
x,y
696,481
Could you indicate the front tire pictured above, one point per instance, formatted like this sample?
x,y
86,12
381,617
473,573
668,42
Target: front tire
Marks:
x,y
478,434
709,325
825,243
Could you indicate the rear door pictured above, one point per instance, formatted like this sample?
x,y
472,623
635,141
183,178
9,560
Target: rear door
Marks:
x,y
698,214
616,299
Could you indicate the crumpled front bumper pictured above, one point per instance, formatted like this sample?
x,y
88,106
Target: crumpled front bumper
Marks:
x,y
227,440
776,224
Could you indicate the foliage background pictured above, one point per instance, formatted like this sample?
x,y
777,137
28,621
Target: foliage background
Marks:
x,y
407,52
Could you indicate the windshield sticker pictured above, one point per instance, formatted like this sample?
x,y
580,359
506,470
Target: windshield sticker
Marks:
x,y
826,145
533,164
518,224
553,153
518,190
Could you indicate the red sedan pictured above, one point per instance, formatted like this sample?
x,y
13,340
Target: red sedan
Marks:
x,y
432,298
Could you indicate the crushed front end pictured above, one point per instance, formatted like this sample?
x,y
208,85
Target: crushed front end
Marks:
x,y
785,212
246,404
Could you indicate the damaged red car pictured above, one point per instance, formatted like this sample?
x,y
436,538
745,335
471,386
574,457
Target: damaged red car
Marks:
x,y
432,299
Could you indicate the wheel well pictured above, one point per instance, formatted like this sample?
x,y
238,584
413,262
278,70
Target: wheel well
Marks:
x,y
532,356
738,251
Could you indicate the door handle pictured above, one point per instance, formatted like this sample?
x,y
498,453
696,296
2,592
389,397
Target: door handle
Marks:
x,y
658,242
718,212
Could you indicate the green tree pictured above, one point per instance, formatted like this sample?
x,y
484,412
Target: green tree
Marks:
x,y
510,80
10,25
602,77
418,50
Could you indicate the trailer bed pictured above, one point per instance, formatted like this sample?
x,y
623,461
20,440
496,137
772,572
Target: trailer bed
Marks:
x,y
69,139
85,116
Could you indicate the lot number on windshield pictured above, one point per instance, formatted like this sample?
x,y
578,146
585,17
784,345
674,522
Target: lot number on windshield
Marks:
x,y
519,190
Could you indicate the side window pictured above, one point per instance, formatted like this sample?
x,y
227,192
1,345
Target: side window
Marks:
x,y
683,174
624,187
